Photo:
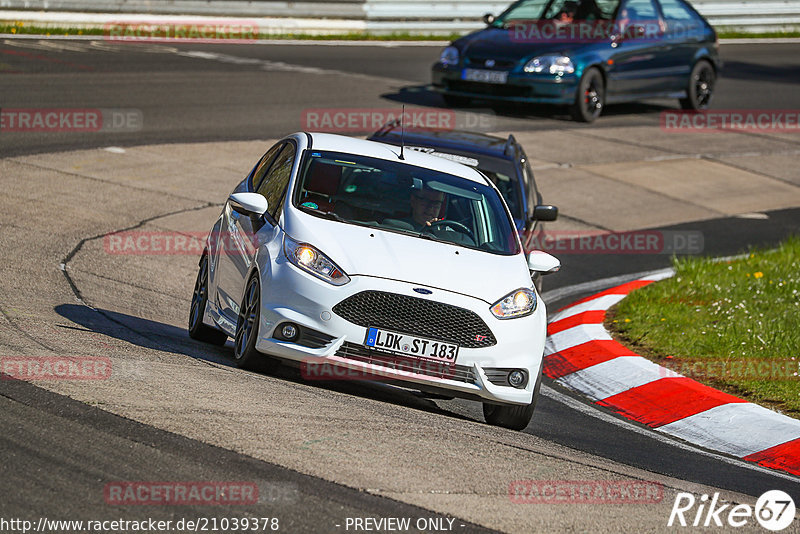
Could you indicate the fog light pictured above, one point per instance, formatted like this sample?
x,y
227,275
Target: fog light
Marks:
x,y
516,378
289,332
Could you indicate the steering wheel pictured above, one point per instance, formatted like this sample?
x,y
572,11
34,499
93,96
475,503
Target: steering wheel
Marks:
x,y
448,222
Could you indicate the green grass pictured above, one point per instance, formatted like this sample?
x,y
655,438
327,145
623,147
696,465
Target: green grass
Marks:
x,y
724,34
7,27
734,325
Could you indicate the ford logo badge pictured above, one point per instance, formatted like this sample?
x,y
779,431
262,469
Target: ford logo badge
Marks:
x,y
490,63
423,291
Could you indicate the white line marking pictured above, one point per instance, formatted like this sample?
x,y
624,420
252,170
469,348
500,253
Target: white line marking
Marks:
x,y
597,285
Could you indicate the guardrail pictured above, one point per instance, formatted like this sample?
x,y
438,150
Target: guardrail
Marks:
x,y
415,16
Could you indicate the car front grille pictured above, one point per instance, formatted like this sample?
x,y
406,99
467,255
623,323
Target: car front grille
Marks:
x,y
492,89
459,373
499,64
417,317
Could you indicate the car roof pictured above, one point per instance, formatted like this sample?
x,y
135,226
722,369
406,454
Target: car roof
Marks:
x,y
460,140
351,145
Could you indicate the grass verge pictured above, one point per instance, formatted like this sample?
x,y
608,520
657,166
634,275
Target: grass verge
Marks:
x,y
734,325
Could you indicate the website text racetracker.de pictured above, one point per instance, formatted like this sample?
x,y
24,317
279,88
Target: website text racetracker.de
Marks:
x,y
604,242
195,524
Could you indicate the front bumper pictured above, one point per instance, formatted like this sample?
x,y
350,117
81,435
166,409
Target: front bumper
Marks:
x,y
524,88
294,296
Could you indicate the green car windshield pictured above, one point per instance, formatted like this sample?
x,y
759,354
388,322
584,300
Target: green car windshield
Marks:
x,y
532,10
402,198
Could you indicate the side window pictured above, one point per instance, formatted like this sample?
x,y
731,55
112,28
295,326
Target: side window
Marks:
x,y
638,11
274,185
679,17
675,10
529,10
264,164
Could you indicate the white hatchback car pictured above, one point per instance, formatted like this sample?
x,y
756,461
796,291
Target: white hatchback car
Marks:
x,y
389,264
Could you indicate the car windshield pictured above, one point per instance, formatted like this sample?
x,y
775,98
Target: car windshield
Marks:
x,y
500,171
402,198
534,10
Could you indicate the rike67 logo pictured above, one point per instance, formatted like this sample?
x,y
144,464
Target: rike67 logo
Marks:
x,y
774,510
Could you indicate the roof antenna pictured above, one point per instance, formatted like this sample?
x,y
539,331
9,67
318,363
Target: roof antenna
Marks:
x,y
402,132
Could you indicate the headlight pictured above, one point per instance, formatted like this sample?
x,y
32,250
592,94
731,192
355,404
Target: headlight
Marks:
x,y
553,64
519,303
449,56
313,261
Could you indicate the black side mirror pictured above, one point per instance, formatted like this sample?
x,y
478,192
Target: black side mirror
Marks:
x,y
545,213
488,18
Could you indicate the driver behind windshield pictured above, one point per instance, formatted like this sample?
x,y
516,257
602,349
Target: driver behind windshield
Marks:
x,y
567,13
426,205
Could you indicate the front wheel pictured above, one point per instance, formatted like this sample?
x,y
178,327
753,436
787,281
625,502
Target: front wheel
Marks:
x,y
245,355
590,97
701,87
512,417
197,329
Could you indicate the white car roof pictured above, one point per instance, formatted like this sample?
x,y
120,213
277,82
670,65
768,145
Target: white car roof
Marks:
x,y
351,145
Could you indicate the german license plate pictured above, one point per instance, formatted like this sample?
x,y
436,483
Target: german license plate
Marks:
x,y
485,76
411,345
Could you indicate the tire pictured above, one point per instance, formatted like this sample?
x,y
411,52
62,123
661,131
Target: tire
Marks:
x,y
197,329
245,355
512,417
590,97
700,90
453,101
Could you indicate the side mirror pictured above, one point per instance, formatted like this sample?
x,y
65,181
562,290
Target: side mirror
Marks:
x,y
251,204
545,213
488,18
543,263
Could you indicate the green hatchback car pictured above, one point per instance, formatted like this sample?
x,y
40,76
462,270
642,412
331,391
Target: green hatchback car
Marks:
x,y
584,54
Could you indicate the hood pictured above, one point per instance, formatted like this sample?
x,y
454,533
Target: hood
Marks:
x,y
362,251
497,43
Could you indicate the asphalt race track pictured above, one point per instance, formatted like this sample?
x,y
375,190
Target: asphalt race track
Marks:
x,y
320,453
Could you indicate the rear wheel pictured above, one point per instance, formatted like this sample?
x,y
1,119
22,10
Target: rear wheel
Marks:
x,y
590,97
197,329
245,355
701,87
513,417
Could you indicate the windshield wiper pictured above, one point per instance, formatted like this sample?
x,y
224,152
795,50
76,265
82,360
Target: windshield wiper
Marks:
x,y
331,216
434,237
